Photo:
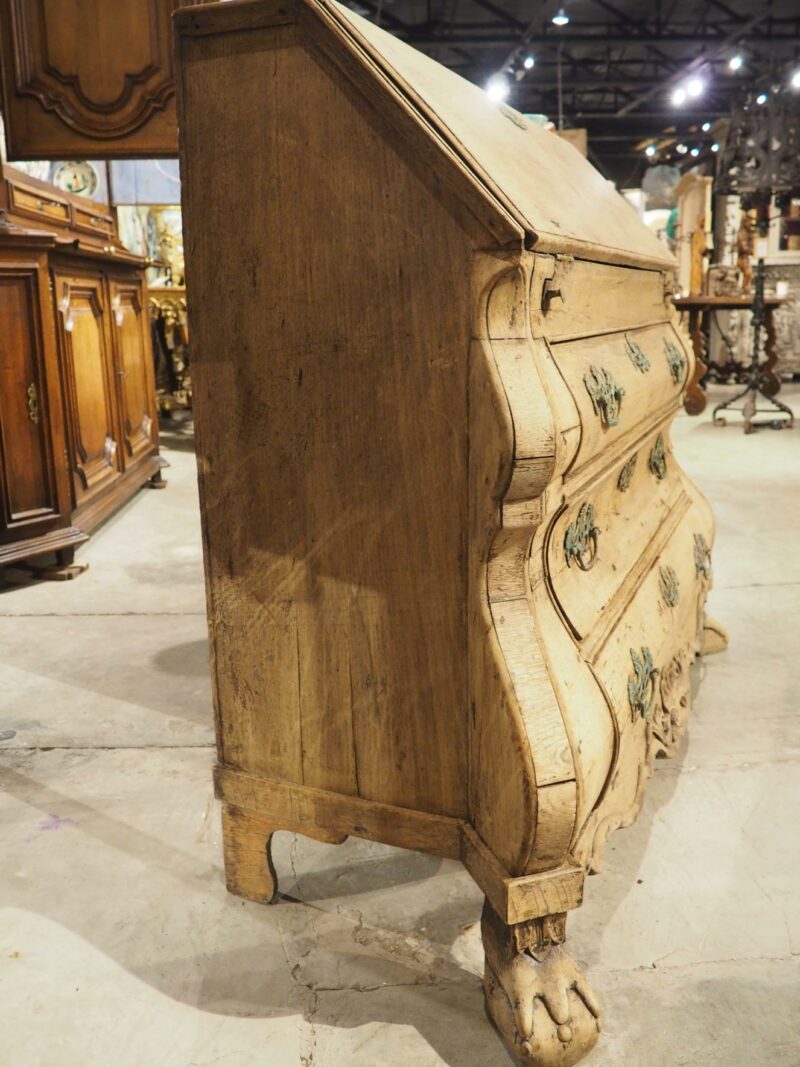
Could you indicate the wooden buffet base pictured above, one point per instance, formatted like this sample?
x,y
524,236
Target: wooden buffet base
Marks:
x,y
78,421
456,577
699,309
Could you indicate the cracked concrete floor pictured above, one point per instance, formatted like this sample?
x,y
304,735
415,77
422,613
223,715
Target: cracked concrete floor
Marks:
x,y
119,944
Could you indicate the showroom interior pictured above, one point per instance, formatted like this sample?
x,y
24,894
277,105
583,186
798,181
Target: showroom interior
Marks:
x,y
398,561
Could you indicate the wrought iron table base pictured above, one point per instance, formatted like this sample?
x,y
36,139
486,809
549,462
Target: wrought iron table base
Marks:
x,y
782,415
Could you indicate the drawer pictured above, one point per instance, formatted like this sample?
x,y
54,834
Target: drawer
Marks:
x,y
620,382
574,298
601,544
643,666
91,222
660,625
39,205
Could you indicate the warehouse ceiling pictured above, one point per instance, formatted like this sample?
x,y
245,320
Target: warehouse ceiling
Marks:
x,y
619,63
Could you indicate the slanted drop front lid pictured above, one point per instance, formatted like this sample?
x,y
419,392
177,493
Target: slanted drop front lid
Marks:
x,y
558,198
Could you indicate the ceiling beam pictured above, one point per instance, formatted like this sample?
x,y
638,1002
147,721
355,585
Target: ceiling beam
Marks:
x,y
698,63
461,37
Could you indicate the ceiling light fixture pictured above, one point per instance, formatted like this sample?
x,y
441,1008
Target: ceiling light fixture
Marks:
x,y
695,87
761,98
561,18
498,87
695,152
736,62
528,62
795,79
679,96
715,147
706,127
681,149
650,150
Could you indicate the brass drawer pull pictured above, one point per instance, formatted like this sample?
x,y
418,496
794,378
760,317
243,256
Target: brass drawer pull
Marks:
x,y
637,356
669,586
702,557
33,403
580,540
675,359
625,475
658,459
642,686
606,395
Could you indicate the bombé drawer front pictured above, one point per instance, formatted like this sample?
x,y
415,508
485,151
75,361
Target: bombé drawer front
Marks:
x,y
602,543
620,382
643,664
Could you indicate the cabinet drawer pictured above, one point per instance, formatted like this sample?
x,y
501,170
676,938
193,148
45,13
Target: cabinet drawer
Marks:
x,y
646,657
578,297
89,222
39,205
601,545
620,382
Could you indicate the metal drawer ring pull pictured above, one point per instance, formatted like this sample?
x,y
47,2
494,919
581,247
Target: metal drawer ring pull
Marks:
x,y
642,687
580,540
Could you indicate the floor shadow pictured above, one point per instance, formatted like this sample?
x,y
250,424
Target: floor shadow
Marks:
x,y
187,660
396,946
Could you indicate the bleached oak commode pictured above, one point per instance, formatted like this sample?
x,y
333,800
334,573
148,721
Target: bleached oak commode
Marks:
x,y
455,575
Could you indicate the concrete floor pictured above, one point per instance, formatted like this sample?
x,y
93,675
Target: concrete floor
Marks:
x,y
119,946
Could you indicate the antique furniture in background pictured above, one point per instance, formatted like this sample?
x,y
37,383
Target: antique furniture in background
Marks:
x,y
744,252
760,163
88,78
694,214
700,310
456,577
78,430
171,345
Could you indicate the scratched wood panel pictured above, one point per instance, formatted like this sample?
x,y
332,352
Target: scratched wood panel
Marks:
x,y
334,488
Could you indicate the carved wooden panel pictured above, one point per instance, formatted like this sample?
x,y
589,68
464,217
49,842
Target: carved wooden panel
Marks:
x,y
27,479
89,388
133,366
88,77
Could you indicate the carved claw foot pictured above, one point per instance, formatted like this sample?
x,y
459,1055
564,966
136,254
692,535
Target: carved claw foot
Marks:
x,y
715,637
536,995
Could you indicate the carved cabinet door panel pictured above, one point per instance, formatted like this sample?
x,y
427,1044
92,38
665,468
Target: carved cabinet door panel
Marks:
x,y
88,383
133,359
32,485
88,77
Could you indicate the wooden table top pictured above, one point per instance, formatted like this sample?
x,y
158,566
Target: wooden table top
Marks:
x,y
736,300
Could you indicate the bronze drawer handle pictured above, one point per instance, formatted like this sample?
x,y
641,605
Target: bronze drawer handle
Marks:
x,y
658,459
605,394
642,686
33,403
669,586
637,356
702,556
675,359
625,475
580,540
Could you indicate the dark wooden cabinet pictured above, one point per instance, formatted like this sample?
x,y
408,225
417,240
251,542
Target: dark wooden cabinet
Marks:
x,y
87,368
78,429
133,363
33,486
88,77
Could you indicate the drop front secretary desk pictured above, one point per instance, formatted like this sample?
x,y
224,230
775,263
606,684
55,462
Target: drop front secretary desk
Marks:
x,y
455,575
